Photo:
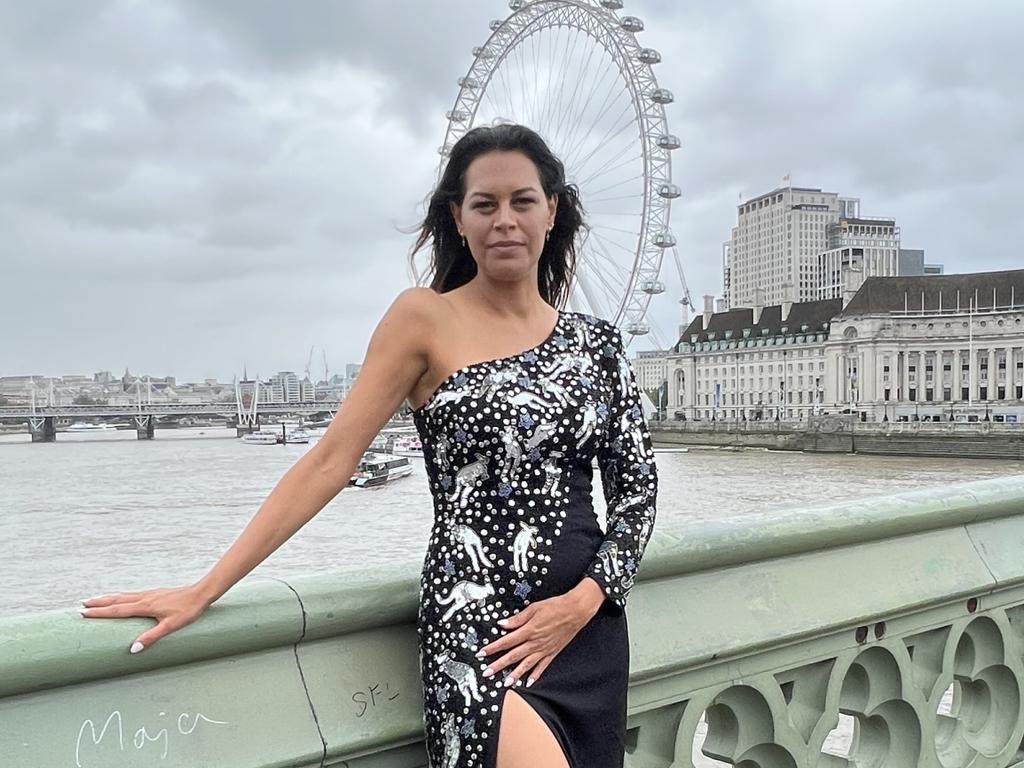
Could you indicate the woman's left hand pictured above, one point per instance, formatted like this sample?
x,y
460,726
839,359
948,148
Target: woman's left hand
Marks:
x,y
540,631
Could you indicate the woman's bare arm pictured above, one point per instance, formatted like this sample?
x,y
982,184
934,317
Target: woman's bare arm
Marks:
x,y
396,358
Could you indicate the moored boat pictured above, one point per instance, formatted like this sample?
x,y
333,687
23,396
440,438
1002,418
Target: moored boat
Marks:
x,y
379,468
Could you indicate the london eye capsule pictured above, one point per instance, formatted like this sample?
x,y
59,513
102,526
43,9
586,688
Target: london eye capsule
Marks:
x,y
664,239
637,328
631,24
668,141
669,191
649,56
612,5
662,96
652,287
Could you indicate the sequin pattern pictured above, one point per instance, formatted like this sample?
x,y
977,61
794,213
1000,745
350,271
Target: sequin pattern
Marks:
x,y
502,439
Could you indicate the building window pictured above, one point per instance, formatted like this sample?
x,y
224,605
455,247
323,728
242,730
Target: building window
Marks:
x,y
965,393
947,394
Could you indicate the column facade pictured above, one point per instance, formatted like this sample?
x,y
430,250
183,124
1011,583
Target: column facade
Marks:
x,y
992,375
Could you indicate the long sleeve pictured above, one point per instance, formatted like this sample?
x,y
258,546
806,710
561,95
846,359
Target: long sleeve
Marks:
x,y
629,478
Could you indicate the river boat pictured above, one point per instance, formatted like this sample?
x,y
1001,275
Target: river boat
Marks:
x,y
378,468
261,437
81,426
409,445
298,436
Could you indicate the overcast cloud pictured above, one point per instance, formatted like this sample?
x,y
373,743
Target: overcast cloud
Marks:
x,y
189,186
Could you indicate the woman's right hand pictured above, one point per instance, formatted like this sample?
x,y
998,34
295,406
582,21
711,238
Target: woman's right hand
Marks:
x,y
172,608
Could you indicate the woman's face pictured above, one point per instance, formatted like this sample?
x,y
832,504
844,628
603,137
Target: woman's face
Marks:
x,y
504,215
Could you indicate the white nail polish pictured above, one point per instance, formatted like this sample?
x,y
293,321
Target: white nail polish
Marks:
x,y
136,647
529,682
84,611
508,681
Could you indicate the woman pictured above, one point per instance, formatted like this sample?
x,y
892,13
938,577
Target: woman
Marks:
x,y
521,624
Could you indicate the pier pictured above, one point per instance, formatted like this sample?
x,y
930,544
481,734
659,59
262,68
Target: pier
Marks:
x,y
899,619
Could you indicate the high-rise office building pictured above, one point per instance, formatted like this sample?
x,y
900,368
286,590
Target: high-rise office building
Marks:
x,y
799,243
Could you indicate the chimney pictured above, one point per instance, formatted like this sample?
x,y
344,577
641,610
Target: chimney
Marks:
x,y
853,279
758,304
788,298
721,305
709,309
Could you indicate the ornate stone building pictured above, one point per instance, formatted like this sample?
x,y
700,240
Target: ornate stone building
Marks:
x,y
934,347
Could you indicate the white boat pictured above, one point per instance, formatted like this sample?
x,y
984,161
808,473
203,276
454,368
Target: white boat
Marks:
x,y
298,435
407,446
261,437
379,468
81,426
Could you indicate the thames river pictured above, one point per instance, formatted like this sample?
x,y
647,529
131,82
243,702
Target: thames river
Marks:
x,y
91,514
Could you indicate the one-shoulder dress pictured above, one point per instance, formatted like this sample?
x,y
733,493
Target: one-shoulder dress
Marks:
x,y
508,446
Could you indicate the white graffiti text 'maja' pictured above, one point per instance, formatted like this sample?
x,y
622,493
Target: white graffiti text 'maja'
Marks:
x,y
184,724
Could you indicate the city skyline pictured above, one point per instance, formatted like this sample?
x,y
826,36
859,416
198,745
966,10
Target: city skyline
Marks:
x,y
168,202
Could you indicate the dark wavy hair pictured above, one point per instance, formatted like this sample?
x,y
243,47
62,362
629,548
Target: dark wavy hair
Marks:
x,y
451,263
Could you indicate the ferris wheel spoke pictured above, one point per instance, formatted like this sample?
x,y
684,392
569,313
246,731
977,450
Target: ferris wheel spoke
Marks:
x,y
605,279
516,56
579,160
585,131
568,109
630,232
554,112
603,244
617,184
611,133
586,104
608,243
557,69
600,304
610,86
600,261
614,163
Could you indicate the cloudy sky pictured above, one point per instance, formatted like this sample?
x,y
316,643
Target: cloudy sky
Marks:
x,y
189,186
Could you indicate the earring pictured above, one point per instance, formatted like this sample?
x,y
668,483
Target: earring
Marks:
x,y
463,241
549,234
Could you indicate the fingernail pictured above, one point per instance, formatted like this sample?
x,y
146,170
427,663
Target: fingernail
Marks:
x,y
529,682
488,672
480,654
502,622
136,647
508,681
84,611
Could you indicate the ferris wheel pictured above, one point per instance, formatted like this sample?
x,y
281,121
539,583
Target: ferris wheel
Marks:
x,y
573,71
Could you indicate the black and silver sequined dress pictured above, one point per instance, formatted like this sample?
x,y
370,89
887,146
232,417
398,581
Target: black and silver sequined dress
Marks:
x,y
508,446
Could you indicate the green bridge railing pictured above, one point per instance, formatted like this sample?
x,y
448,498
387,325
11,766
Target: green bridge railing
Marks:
x,y
900,619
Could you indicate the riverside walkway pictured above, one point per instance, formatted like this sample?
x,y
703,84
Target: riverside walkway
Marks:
x,y
773,628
